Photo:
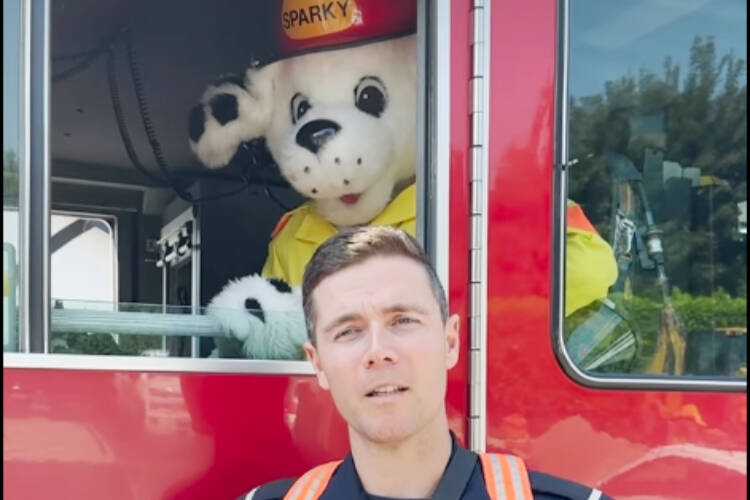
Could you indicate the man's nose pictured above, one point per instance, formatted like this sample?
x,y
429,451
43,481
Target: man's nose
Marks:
x,y
380,349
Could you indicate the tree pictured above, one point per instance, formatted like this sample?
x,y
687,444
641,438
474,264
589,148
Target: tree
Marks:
x,y
664,124
10,179
701,123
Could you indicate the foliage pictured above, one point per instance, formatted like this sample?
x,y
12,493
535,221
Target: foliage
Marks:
x,y
697,314
696,121
10,179
105,344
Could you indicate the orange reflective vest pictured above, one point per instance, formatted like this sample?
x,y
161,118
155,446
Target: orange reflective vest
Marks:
x,y
505,477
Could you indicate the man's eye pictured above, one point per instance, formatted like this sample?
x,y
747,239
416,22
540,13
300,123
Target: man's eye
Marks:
x,y
404,320
344,333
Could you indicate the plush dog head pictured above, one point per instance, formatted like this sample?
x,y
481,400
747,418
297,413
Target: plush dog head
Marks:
x,y
341,124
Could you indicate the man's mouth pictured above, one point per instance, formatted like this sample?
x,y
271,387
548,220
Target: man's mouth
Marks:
x,y
386,390
350,199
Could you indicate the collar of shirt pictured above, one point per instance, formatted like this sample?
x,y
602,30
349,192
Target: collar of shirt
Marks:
x,y
345,482
315,229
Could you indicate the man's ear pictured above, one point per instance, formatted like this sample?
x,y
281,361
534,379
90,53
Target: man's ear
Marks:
x,y
452,340
312,355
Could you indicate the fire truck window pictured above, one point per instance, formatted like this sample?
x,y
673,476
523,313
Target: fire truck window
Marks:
x,y
156,211
656,239
83,272
12,160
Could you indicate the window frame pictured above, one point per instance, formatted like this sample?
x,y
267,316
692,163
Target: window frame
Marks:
x,y
24,179
561,171
112,222
433,148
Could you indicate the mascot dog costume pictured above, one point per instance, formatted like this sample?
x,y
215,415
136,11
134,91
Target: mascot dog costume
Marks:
x,y
338,114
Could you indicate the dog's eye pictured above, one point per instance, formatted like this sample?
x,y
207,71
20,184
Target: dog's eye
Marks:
x,y
370,96
299,106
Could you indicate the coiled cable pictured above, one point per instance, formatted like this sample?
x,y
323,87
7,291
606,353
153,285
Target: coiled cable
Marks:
x,y
114,93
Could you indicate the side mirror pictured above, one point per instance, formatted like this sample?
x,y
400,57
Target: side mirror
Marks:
x,y
598,338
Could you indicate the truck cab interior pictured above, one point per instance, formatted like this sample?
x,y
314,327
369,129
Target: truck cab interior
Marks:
x,y
124,77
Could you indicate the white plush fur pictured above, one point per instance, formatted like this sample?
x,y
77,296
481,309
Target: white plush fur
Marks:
x,y
219,142
282,333
385,145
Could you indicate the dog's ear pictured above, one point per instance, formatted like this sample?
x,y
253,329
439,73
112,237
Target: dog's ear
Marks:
x,y
233,110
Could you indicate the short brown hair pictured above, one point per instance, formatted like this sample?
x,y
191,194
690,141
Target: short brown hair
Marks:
x,y
353,246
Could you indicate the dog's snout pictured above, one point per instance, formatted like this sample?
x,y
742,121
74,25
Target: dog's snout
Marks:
x,y
314,134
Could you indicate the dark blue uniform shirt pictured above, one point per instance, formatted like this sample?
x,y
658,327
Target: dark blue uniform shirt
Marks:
x,y
345,484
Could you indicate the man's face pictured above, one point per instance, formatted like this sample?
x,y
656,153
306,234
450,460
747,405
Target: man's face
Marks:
x,y
382,348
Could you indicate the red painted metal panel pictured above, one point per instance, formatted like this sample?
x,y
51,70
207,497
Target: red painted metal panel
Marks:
x,y
632,444
129,435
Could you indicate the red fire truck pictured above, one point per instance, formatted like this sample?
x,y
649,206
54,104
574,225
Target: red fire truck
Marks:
x,y
633,111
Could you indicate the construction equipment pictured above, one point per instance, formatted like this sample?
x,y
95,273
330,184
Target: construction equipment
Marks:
x,y
629,206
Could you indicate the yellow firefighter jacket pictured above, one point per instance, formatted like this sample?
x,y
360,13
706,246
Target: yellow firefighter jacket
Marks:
x,y
591,266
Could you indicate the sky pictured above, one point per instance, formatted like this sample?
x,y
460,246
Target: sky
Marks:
x,y
614,38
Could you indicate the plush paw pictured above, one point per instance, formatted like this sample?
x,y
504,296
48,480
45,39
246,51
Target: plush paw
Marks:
x,y
233,110
215,131
259,319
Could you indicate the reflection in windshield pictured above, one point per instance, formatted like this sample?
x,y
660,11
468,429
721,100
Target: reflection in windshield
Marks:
x,y
658,107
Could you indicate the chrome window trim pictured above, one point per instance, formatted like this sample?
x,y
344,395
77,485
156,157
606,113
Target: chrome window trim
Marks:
x,y
422,153
439,139
195,281
155,364
24,180
433,133
38,262
657,382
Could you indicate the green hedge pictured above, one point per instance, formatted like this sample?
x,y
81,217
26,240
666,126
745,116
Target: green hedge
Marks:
x,y
695,313
82,343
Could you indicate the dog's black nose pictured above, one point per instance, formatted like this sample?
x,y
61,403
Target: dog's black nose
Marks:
x,y
314,134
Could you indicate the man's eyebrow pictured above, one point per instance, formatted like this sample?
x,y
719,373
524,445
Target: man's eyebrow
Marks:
x,y
396,308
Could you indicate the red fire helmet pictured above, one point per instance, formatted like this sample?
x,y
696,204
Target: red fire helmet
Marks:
x,y
313,25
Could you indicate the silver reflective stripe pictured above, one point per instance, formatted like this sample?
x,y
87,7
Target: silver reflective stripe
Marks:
x,y
294,493
250,495
515,474
315,486
595,494
499,483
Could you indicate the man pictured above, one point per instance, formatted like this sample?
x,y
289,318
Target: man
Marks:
x,y
381,340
